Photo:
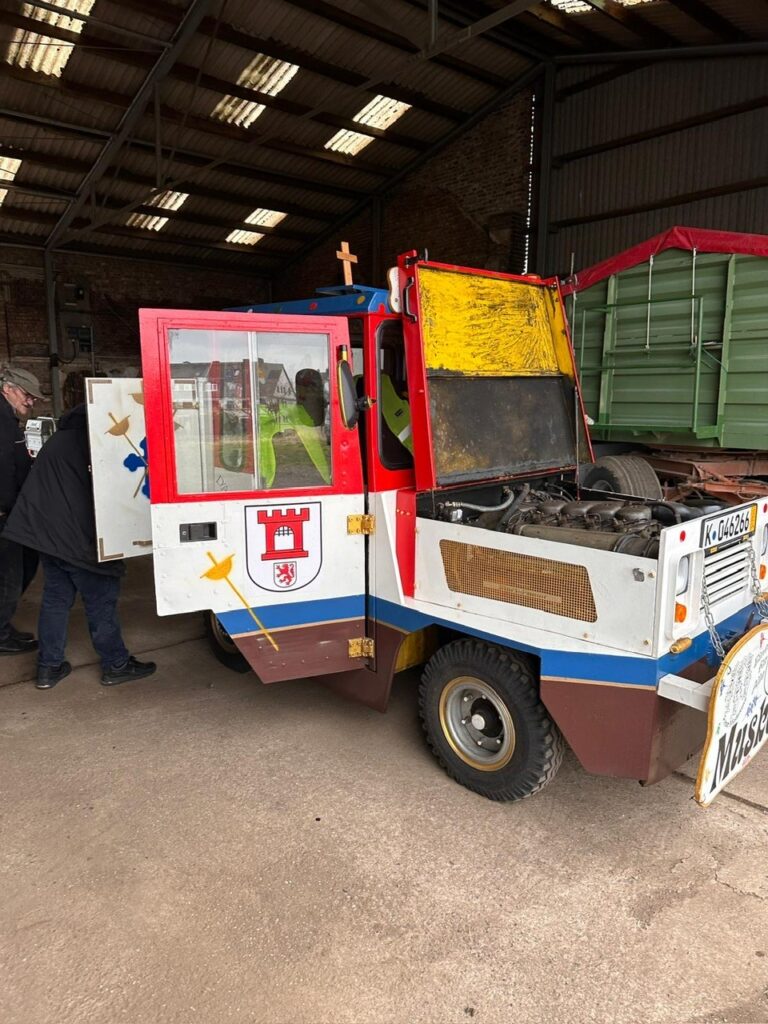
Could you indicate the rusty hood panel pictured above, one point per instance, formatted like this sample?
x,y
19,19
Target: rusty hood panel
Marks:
x,y
492,379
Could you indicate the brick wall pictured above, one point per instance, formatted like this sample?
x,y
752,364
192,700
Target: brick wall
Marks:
x,y
467,205
115,290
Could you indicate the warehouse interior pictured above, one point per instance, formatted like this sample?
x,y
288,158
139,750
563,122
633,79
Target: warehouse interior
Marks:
x,y
207,849
550,135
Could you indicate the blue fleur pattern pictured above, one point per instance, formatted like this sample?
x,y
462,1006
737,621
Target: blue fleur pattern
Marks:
x,y
133,463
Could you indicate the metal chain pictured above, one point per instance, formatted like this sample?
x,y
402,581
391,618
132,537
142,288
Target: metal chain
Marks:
x,y
709,618
757,590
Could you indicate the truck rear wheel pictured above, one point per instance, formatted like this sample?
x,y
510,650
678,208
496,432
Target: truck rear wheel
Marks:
x,y
485,723
222,645
623,474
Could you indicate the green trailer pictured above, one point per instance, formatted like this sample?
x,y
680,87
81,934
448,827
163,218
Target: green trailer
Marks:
x,y
671,338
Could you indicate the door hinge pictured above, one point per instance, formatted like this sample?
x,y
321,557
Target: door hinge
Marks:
x,y
361,524
362,647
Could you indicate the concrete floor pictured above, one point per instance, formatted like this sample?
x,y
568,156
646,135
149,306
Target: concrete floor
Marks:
x,y
198,847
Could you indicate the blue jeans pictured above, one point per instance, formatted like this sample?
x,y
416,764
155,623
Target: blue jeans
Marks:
x,y
99,593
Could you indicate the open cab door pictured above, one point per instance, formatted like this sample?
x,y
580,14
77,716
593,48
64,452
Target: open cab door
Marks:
x,y
256,484
493,385
118,447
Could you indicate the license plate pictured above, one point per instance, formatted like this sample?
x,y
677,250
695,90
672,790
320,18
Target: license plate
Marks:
x,y
728,527
738,714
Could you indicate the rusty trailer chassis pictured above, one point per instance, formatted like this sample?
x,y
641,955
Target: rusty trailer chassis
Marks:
x,y
728,476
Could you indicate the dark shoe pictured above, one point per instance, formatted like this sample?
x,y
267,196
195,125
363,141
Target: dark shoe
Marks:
x,y
132,669
19,634
48,677
12,645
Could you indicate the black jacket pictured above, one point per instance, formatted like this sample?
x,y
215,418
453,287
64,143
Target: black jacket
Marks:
x,y
15,462
54,511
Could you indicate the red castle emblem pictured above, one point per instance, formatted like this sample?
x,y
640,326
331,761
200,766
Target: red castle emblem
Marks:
x,y
283,544
284,532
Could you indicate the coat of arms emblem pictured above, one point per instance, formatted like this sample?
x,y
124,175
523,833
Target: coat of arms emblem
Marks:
x,y
283,544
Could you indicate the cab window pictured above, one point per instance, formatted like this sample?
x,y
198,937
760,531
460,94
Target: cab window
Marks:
x,y
395,437
250,410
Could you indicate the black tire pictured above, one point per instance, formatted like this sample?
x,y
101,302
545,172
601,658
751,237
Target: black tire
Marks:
x,y
223,648
623,474
530,746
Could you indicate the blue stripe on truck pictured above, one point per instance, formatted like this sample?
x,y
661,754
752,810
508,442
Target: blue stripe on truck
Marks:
x,y
632,670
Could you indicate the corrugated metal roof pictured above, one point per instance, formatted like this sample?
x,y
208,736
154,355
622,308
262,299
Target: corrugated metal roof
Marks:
x,y
345,54
656,155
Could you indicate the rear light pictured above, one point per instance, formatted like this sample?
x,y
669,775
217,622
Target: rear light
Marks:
x,y
683,576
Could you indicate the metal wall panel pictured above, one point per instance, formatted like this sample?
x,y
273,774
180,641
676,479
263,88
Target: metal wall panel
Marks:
x,y
609,200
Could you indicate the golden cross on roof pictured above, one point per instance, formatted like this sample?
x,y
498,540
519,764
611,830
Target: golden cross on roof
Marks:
x,y
347,260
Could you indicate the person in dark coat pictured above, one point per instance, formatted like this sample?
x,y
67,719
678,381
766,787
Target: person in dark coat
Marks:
x,y
54,514
19,390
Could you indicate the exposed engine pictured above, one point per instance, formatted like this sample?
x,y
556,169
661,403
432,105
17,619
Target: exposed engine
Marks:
x,y
631,526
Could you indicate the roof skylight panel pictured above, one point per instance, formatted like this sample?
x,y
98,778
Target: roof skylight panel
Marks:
x,y
9,165
40,52
580,7
167,200
381,113
571,6
266,74
265,218
345,141
240,237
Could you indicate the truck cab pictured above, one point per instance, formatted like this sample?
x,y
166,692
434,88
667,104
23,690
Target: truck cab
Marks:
x,y
369,480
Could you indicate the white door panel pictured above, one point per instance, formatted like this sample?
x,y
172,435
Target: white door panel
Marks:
x,y
118,442
326,562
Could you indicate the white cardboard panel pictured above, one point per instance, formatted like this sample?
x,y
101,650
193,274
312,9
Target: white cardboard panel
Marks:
x,y
117,435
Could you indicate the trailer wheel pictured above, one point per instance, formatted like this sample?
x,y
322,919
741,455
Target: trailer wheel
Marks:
x,y
485,723
623,474
223,647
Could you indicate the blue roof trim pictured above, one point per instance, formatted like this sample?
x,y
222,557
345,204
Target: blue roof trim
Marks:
x,y
331,301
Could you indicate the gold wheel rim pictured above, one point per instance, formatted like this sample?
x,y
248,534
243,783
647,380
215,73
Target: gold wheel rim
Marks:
x,y
477,724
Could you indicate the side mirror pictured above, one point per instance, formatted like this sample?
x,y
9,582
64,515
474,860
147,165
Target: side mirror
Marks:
x,y
350,411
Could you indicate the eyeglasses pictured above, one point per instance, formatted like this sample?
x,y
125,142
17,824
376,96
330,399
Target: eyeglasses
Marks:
x,y
25,394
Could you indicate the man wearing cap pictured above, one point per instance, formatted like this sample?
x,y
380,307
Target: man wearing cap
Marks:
x,y
19,390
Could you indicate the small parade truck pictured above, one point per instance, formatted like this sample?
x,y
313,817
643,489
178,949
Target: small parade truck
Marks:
x,y
371,480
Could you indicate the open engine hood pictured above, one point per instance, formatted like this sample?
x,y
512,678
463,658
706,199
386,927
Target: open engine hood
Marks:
x,y
492,379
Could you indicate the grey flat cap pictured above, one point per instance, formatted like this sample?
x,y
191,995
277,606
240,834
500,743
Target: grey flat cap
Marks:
x,y
22,379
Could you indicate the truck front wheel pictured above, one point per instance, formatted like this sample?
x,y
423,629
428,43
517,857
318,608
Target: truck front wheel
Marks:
x,y
485,723
222,645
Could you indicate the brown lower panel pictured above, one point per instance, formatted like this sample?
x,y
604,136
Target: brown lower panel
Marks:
x,y
372,685
679,733
624,731
316,650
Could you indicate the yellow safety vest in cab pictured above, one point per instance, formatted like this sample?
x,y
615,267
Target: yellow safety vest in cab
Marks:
x,y
305,419
396,412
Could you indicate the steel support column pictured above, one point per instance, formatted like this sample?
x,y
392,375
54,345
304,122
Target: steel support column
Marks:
x,y
53,331
377,271
545,129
